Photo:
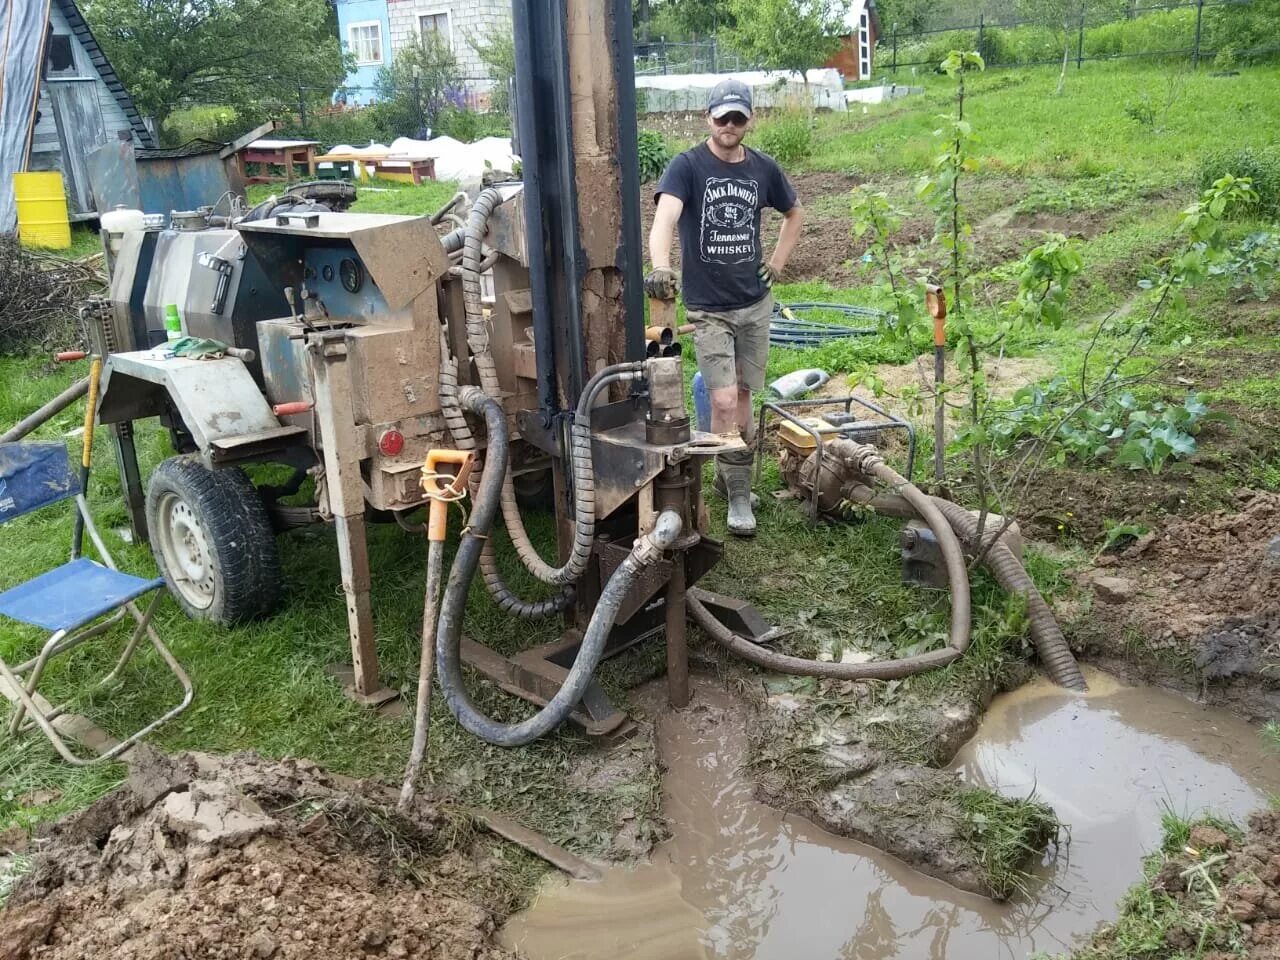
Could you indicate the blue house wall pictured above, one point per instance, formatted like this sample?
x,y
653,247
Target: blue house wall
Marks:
x,y
360,81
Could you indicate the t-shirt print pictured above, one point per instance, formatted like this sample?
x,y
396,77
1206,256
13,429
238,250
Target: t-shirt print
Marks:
x,y
729,222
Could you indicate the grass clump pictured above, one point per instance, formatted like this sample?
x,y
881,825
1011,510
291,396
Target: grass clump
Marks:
x,y
1006,835
787,136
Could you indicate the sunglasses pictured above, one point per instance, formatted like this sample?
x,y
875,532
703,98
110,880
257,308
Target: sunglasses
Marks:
x,y
737,119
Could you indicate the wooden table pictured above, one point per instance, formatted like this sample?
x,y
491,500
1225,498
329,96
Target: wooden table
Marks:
x,y
405,169
279,153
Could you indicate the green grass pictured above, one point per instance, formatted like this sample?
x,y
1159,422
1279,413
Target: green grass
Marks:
x,y
1005,835
1026,130
1150,919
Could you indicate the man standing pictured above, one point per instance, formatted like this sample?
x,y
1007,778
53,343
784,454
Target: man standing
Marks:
x,y
715,193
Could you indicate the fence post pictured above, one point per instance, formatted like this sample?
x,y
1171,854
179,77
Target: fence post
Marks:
x,y
893,33
1195,53
982,29
1080,44
715,54
417,104
302,109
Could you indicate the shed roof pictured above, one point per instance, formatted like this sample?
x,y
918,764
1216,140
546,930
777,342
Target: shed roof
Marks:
x,y
100,62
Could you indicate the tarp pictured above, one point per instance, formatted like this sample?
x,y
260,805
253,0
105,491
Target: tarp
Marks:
x,y
688,91
22,28
456,160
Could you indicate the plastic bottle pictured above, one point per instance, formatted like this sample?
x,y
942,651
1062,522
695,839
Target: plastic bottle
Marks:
x,y
798,383
172,323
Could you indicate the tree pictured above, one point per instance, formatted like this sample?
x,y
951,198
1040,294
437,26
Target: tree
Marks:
x,y
239,53
496,48
1064,18
701,17
420,83
790,35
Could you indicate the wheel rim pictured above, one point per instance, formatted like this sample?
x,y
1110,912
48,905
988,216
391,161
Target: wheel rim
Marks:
x,y
188,559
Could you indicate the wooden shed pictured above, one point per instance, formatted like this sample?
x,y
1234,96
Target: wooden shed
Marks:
x,y
81,105
854,59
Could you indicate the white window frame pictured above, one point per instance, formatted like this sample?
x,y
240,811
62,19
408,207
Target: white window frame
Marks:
x,y
351,45
448,22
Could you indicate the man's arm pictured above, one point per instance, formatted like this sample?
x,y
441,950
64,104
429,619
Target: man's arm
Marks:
x,y
792,224
664,225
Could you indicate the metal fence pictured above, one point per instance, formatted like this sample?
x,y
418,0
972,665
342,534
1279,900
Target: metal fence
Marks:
x,y
698,56
1080,40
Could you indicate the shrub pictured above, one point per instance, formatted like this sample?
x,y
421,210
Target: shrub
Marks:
x,y
471,125
653,153
787,136
1259,164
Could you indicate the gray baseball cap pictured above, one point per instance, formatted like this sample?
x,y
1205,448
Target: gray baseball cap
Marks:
x,y
730,96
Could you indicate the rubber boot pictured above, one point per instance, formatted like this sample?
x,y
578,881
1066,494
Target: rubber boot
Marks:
x,y
719,487
737,481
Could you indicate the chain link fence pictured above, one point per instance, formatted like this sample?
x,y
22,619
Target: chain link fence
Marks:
x,y
1184,30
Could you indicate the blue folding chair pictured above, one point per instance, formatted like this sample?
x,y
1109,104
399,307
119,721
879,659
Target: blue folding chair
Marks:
x,y
78,600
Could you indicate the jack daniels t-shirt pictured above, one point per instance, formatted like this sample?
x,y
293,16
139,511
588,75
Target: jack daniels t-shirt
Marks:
x,y
720,247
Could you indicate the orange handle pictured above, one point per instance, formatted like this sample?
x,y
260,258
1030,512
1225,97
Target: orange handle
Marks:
x,y
442,496
292,407
68,355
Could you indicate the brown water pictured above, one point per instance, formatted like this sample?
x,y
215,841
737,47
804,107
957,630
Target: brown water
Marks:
x,y
739,880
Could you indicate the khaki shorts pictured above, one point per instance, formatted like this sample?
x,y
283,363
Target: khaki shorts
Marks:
x,y
733,345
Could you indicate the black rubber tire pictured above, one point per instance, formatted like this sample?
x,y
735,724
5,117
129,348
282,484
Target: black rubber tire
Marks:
x,y
243,559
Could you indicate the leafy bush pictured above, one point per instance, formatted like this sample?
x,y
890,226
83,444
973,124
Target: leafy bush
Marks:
x,y
787,136
471,125
355,126
1172,30
1117,428
1254,263
653,153
1259,164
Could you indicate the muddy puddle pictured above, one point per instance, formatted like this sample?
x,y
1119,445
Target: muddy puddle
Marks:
x,y
739,880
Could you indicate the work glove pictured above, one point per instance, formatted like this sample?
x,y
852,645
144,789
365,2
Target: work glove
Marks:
x,y
769,274
662,284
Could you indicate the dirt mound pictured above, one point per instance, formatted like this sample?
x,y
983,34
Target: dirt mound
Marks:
x,y
204,856
1202,591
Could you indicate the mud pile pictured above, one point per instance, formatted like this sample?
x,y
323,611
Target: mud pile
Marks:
x,y
1201,591
206,856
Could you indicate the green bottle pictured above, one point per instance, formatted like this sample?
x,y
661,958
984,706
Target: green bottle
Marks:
x,y
172,323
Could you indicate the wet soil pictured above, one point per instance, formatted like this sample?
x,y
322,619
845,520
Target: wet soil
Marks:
x,y
204,856
738,879
1195,602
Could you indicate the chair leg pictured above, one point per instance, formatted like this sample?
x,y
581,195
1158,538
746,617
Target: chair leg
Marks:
x,y
29,705
143,627
37,671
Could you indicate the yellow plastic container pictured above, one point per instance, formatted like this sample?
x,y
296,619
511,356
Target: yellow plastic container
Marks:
x,y
42,210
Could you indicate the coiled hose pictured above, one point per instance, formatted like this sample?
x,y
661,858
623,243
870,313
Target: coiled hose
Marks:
x,y
460,431
1051,646
584,504
647,551
869,462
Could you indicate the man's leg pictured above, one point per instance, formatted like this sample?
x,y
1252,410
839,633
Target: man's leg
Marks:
x,y
751,350
714,337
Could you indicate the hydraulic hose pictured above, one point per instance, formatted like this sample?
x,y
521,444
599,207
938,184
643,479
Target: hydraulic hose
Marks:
x,y
869,462
647,551
1051,646
456,423
583,472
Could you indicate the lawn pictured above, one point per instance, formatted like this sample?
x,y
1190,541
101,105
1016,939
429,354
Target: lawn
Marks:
x,y
1116,184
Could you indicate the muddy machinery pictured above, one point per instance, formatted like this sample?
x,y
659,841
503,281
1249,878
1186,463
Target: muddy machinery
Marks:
x,y
358,343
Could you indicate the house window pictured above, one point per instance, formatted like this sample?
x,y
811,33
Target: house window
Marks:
x,y
365,41
437,23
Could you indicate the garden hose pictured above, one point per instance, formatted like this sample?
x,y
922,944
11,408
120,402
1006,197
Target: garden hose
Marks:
x,y
647,551
868,461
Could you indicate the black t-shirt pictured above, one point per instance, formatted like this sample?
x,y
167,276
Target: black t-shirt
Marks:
x,y
720,248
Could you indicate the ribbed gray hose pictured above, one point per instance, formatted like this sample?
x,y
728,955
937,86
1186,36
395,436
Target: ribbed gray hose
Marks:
x,y
1046,635
647,551
584,503
460,431
869,462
